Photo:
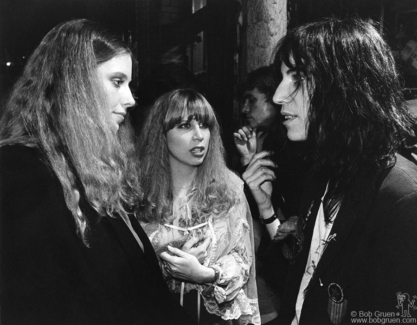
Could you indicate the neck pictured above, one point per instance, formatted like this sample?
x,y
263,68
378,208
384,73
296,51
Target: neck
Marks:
x,y
182,177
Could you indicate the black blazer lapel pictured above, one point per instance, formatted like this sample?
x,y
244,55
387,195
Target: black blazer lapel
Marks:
x,y
357,203
342,227
127,242
148,248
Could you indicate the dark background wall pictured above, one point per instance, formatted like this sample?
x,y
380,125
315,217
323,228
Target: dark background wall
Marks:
x,y
23,23
209,36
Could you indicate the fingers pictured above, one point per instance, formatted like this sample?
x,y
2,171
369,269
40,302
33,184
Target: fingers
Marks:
x,y
173,257
258,161
261,176
177,252
263,173
244,134
176,257
167,257
260,156
206,244
190,243
259,168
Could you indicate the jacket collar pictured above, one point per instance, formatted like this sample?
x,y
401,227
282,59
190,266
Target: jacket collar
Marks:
x,y
358,201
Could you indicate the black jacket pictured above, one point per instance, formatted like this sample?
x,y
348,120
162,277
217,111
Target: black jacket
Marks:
x,y
48,276
372,259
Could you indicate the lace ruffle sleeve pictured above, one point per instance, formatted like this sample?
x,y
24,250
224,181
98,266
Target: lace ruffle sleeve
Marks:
x,y
234,294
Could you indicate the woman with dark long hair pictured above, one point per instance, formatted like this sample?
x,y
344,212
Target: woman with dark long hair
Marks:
x,y
263,131
355,243
71,252
194,210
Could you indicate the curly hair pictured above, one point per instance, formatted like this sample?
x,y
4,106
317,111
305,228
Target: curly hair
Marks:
x,y
357,119
57,106
211,192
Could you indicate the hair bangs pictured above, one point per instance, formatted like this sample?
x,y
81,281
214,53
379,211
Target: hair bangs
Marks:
x,y
187,104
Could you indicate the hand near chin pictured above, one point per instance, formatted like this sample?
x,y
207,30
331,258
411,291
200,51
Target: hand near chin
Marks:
x,y
258,176
184,266
245,142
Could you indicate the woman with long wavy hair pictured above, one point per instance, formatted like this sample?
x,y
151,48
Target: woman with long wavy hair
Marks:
x,y
71,252
195,212
355,245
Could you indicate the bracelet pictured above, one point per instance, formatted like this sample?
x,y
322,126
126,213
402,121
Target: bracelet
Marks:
x,y
269,220
216,274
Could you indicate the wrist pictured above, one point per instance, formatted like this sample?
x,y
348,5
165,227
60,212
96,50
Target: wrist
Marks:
x,y
216,273
207,275
269,220
266,213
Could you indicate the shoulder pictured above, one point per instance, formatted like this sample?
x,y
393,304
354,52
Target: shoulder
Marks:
x,y
401,180
234,181
22,167
397,195
236,184
26,181
22,160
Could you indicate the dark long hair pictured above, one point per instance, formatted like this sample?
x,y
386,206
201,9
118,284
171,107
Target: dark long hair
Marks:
x,y
357,118
57,107
213,193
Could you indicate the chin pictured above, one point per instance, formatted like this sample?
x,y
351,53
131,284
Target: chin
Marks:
x,y
115,128
296,136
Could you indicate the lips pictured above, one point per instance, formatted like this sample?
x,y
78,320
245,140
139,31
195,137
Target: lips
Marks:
x,y
119,117
288,117
197,151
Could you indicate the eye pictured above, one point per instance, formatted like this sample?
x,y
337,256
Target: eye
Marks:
x,y
203,125
297,77
184,125
117,82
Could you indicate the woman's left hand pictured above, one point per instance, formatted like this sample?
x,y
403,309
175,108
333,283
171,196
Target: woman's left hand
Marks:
x,y
184,266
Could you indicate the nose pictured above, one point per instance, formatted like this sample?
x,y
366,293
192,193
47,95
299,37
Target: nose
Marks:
x,y
198,135
282,94
128,99
245,107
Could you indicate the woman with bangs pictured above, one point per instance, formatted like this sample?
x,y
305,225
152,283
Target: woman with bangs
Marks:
x,y
195,212
352,246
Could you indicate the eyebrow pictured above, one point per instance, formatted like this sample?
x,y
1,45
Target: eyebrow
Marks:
x,y
120,75
293,69
248,96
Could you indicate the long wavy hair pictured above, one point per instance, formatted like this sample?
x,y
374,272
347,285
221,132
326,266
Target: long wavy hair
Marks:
x,y
211,193
57,107
357,119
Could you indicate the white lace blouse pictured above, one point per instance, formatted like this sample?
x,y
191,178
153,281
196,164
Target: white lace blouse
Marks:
x,y
231,252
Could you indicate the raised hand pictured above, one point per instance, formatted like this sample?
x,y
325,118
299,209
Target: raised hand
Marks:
x,y
258,176
246,143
